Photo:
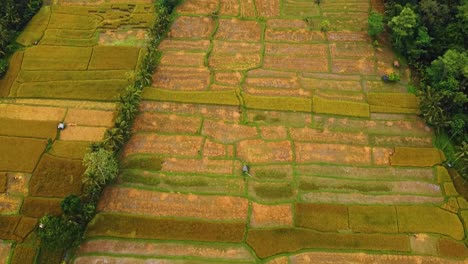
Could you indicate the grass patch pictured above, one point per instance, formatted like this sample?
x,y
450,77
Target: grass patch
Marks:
x,y
3,182
322,217
330,184
449,248
49,76
426,219
127,226
69,21
114,58
143,162
400,100
28,128
97,89
278,103
272,190
56,177
35,28
23,254
47,256
373,219
25,226
136,176
335,107
69,149
218,98
271,174
38,207
56,58
416,157
8,224
269,242
13,69
20,154
396,110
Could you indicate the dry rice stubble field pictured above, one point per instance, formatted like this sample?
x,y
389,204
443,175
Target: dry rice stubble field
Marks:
x,y
341,168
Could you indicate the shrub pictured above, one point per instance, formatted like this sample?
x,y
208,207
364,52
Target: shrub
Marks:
x,y
58,233
376,25
325,25
3,67
101,168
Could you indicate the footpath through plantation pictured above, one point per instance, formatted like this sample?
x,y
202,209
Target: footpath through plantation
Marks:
x,y
266,137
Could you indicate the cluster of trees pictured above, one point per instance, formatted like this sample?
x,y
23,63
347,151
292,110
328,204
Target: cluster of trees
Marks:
x,y
66,231
14,15
432,36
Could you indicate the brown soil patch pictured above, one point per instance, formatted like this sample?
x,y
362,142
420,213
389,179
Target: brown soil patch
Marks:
x,y
166,249
212,149
279,23
23,112
228,133
276,92
353,66
86,117
381,156
201,166
228,78
186,45
181,58
17,183
334,85
167,123
135,37
399,141
259,151
325,136
181,78
239,30
247,8
235,56
451,248
200,7
9,204
325,258
271,215
5,249
333,153
351,49
268,8
296,36
358,198
164,144
274,132
82,133
395,127
273,82
225,113
348,36
192,27
316,64
312,50
134,201
229,7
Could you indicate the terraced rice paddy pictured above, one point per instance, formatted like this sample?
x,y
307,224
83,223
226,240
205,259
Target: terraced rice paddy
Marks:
x,y
70,71
341,169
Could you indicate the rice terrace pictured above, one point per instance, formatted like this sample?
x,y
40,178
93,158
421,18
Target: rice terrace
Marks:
x,y
264,134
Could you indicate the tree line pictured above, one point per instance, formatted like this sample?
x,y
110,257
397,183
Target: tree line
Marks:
x,y
14,15
432,35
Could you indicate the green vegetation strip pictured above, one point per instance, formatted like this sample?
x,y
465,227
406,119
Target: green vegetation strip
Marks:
x,y
269,242
56,177
416,157
218,98
335,107
28,128
20,154
400,100
278,103
396,110
127,226
36,27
